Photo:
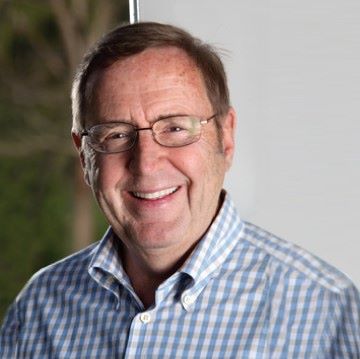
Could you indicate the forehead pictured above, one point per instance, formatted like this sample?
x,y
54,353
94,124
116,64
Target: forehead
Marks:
x,y
169,61
164,74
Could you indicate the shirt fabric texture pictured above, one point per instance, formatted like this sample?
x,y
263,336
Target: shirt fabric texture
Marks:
x,y
243,293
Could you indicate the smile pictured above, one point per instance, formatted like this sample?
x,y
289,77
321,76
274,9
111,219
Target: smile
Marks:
x,y
155,195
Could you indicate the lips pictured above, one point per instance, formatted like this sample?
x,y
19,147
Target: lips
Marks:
x,y
155,195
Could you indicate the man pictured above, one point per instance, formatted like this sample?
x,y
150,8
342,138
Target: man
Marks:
x,y
178,274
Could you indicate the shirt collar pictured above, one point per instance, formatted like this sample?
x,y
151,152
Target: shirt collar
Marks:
x,y
106,265
216,244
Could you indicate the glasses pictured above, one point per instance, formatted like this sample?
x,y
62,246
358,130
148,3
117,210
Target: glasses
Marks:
x,y
172,131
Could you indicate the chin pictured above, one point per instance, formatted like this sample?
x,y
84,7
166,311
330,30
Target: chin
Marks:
x,y
159,236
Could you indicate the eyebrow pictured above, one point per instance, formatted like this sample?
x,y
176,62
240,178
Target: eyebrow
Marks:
x,y
161,117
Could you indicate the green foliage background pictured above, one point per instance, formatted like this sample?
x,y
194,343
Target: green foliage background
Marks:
x,y
37,160
34,210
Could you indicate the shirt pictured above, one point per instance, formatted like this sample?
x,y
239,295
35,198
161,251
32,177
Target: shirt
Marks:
x,y
242,293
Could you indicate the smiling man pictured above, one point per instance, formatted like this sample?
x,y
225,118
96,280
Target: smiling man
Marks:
x,y
178,274
159,188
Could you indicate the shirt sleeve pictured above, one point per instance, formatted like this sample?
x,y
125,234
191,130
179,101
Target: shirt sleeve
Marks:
x,y
347,341
9,333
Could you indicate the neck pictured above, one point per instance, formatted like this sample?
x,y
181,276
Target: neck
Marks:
x,y
147,272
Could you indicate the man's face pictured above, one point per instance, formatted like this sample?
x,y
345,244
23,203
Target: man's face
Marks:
x,y
157,198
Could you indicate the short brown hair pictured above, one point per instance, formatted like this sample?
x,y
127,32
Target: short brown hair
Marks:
x,y
128,40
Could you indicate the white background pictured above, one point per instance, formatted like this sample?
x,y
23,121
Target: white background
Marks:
x,y
294,75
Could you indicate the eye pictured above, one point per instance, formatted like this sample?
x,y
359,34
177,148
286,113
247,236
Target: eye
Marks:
x,y
116,136
177,127
173,129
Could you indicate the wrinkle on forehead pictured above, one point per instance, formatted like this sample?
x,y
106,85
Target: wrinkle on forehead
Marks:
x,y
172,61
155,69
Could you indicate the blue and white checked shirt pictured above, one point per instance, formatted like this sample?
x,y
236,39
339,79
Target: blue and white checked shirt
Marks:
x,y
243,293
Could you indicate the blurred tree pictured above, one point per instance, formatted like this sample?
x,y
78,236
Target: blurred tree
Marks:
x,y
41,43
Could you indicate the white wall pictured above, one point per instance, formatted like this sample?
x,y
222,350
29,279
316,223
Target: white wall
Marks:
x,y
293,68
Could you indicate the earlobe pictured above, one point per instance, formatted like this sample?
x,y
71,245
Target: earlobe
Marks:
x,y
229,126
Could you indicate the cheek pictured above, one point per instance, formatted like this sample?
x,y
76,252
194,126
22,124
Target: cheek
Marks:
x,y
214,169
204,166
108,173
90,167
100,171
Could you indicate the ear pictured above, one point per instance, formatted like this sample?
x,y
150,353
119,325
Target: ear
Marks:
x,y
228,136
76,139
77,142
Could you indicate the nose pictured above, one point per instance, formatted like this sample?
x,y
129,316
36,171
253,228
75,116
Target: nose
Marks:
x,y
146,155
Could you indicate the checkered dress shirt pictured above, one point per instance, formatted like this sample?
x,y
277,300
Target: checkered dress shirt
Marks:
x,y
243,293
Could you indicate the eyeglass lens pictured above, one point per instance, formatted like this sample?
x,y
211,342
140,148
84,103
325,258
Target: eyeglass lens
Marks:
x,y
174,131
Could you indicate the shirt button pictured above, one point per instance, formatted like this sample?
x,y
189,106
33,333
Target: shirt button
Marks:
x,y
145,317
188,300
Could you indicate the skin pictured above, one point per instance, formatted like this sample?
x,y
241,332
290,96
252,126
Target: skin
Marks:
x,y
156,235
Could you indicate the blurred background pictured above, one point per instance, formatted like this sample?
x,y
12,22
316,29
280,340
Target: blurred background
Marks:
x,y
46,212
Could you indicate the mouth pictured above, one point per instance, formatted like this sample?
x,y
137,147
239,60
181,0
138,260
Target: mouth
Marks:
x,y
152,196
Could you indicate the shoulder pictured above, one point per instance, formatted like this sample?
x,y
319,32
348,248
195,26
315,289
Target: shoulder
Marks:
x,y
68,271
44,293
291,261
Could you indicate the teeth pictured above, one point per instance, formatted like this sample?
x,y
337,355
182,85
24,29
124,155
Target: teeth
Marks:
x,y
155,195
